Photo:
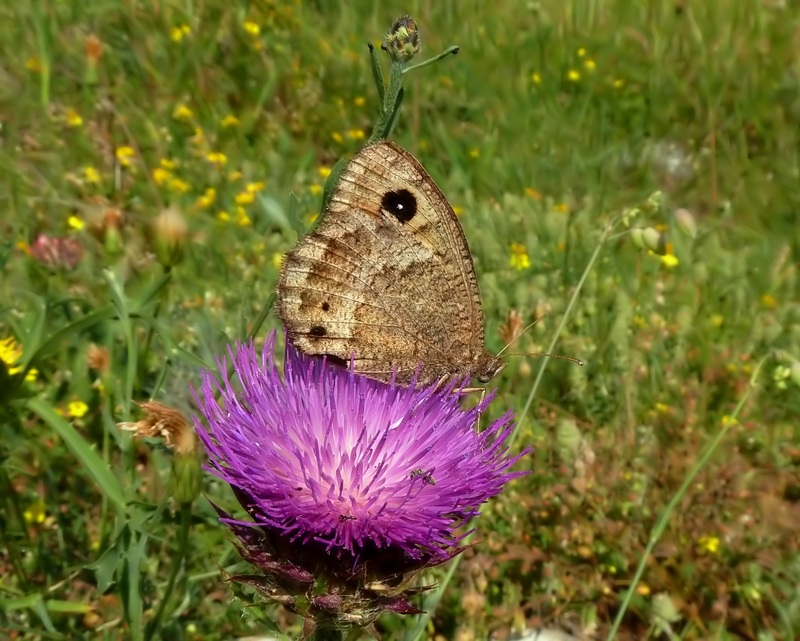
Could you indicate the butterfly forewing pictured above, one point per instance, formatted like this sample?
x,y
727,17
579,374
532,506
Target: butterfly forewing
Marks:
x,y
387,277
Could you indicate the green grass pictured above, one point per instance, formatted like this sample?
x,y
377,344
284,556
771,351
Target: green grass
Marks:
x,y
697,102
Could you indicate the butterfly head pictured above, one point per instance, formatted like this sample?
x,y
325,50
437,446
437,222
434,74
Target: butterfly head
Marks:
x,y
487,366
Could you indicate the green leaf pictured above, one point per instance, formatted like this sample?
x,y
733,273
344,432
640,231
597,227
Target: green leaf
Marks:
x,y
330,184
377,74
294,216
89,460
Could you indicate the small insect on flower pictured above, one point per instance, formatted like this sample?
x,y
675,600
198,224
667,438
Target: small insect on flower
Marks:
x,y
427,477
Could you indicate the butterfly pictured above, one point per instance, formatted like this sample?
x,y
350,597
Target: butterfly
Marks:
x,y
387,278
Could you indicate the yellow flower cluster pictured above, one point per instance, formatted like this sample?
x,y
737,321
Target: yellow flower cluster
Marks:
x,y
10,354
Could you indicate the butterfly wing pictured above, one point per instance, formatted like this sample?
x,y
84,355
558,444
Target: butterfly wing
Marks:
x,y
386,276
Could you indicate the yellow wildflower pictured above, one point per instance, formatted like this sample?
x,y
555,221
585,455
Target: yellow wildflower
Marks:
x,y
769,301
181,186
244,198
573,75
91,175
216,158
223,216
124,155
581,52
359,101
519,257
474,152
167,163
337,137
34,64
277,260
590,65
182,112
561,208
533,193
458,210
536,78
662,408
10,353
324,171
180,32
709,544
161,175
315,189
242,219
199,137
77,409
229,121
255,187
207,199
726,420
35,514
717,320
251,28
669,260
356,134
73,118
618,83
234,175
75,223
643,589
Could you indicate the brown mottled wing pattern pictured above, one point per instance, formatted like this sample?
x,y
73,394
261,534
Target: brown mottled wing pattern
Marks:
x,y
387,276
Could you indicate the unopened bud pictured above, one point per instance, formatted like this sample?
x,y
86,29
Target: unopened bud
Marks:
x,y
402,43
94,50
685,222
170,229
187,473
637,237
794,373
655,241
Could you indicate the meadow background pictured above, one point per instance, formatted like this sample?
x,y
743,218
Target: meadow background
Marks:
x,y
155,145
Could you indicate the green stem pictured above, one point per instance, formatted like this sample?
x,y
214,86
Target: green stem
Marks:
x,y
390,103
451,50
183,544
151,329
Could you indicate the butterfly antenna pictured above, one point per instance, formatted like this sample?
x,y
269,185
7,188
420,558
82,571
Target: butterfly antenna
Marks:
x,y
511,342
536,320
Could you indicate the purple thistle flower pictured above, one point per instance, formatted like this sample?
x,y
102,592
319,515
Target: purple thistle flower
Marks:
x,y
371,481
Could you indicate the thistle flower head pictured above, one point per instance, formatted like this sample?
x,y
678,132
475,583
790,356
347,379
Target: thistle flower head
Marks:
x,y
348,481
57,253
402,42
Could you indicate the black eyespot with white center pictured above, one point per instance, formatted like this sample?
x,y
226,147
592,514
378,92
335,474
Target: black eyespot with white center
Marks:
x,y
400,203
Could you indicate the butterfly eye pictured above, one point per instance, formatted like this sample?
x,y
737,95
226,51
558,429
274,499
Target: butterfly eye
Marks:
x,y
401,204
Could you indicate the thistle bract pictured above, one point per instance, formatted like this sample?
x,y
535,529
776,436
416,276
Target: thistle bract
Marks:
x,y
352,485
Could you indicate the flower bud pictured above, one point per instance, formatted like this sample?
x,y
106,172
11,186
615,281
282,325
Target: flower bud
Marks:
x,y
637,237
187,481
685,222
170,229
794,373
655,241
402,43
57,253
